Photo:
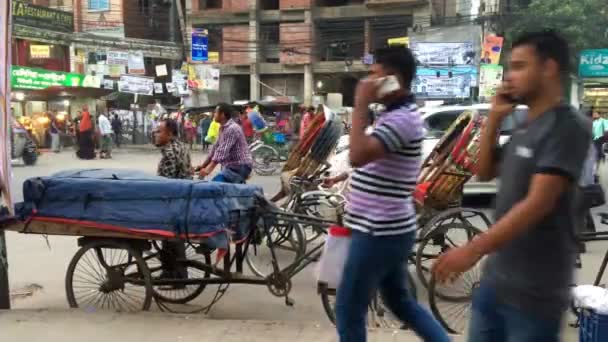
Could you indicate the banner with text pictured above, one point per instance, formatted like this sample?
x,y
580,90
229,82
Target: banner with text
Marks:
x,y
199,45
136,63
490,78
445,82
492,46
136,85
443,53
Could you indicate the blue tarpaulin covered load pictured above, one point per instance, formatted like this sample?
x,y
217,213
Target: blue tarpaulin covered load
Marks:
x,y
134,201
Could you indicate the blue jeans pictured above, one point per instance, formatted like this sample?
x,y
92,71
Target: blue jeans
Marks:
x,y
494,321
379,262
236,174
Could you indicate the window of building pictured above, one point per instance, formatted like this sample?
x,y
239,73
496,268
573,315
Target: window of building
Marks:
x,y
341,40
210,4
270,41
384,28
333,3
270,5
214,41
99,5
144,5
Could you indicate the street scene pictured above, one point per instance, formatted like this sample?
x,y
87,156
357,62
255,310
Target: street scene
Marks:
x,y
297,170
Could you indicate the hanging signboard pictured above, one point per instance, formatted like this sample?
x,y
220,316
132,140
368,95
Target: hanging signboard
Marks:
x,y
31,78
136,85
490,78
158,88
40,51
593,63
136,63
443,53
116,70
492,46
108,84
400,41
211,78
41,17
117,58
213,57
199,45
445,82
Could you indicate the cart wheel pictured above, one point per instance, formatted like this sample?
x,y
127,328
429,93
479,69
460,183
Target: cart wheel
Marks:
x,y
328,299
179,294
287,241
454,313
438,241
108,275
378,311
265,160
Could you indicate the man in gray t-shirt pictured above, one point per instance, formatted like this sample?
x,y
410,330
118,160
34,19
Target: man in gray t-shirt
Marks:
x,y
531,247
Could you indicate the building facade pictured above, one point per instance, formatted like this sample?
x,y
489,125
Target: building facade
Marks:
x,y
299,48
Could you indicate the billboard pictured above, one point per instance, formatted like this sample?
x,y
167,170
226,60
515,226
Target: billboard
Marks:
x,y
593,63
445,82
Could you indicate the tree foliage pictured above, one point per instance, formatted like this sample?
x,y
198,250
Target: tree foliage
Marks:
x,y
583,22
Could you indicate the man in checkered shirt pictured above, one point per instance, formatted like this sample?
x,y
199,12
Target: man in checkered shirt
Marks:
x,y
231,150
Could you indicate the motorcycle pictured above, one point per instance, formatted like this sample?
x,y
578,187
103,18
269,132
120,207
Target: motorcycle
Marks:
x,y
22,144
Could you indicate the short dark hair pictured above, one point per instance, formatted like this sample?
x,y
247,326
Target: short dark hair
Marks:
x,y
171,126
401,60
226,109
548,45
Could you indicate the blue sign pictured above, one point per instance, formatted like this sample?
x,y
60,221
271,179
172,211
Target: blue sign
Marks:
x,y
593,63
200,47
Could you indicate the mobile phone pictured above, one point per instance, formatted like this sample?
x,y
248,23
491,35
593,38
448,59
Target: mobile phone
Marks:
x,y
387,85
510,98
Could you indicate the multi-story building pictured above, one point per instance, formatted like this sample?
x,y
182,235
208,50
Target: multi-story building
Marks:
x,y
57,37
299,47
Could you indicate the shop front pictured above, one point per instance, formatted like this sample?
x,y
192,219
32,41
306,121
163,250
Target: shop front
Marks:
x,y
39,94
593,70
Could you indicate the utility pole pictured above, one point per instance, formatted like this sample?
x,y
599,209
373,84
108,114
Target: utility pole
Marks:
x,y
5,39
5,300
182,26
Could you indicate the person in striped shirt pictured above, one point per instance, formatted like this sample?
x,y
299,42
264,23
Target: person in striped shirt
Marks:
x,y
380,210
231,150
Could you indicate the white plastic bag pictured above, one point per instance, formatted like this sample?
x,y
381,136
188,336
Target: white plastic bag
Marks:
x,y
335,252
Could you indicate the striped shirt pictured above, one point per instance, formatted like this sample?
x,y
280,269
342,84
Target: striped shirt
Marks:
x,y
380,200
231,148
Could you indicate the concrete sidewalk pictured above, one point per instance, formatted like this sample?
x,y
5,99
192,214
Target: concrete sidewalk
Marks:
x,y
81,326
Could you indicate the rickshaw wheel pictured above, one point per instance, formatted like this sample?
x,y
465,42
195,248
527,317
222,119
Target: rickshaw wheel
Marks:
x,y
108,275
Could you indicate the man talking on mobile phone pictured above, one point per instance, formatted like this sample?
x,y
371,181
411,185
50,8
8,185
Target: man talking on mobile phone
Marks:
x,y
380,210
530,250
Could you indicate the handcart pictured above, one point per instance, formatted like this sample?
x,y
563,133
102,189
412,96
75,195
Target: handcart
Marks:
x,y
119,265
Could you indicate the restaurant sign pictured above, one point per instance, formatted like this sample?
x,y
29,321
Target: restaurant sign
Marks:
x,y
30,78
42,17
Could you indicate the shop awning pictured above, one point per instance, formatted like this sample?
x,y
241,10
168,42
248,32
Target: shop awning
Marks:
x,y
65,92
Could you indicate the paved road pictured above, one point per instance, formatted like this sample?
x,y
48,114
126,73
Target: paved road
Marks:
x,y
32,261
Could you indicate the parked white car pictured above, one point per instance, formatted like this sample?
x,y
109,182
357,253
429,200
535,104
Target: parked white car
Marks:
x,y
438,119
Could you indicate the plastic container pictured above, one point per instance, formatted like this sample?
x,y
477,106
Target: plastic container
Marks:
x,y
279,138
593,327
267,138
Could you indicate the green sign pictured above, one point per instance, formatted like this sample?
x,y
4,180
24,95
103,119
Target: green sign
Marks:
x,y
42,17
30,78
593,63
